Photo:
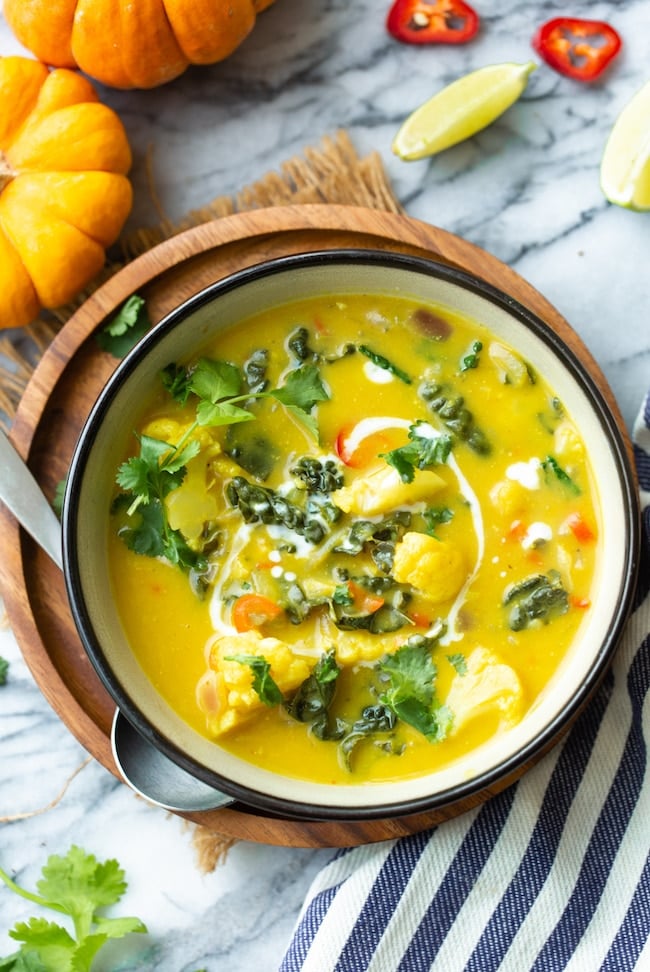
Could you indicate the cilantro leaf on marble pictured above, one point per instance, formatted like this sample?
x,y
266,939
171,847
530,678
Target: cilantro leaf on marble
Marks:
x,y
76,886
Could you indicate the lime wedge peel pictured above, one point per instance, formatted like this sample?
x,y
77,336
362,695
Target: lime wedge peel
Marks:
x,y
625,165
461,109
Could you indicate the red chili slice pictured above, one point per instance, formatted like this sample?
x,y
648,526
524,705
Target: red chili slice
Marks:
x,y
581,49
432,21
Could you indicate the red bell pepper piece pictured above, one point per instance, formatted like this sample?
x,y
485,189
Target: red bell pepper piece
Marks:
x,y
581,49
432,21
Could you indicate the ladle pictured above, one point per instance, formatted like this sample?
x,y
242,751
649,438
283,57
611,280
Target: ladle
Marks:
x,y
147,771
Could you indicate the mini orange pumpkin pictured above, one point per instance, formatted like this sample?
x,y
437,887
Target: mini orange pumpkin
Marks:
x,y
64,195
132,43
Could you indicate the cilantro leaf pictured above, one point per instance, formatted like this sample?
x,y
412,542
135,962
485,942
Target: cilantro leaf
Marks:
x,y
213,380
4,668
410,694
436,515
221,413
176,380
158,469
422,452
302,389
263,683
76,885
125,329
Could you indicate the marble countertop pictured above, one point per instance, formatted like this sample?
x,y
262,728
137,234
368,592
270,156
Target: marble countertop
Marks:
x,y
526,189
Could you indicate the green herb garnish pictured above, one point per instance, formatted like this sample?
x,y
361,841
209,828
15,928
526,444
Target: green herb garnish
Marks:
x,y
147,479
411,692
312,701
78,886
381,362
263,682
125,329
4,668
435,516
551,465
536,599
471,359
218,384
422,452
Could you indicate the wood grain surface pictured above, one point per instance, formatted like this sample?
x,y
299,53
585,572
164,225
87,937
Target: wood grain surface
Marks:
x,y
62,390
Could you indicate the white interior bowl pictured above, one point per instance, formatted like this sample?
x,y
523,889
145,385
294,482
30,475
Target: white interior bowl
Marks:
x,y
184,333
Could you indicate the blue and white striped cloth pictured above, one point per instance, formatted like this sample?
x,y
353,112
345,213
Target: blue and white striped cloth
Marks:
x,y
552,874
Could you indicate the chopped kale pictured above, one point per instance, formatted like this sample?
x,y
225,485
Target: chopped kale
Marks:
x,y
258,504
317,475
251,449
538,598
255,371
312,701
458,419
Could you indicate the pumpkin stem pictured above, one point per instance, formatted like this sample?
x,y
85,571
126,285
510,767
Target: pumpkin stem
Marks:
x,y
6,172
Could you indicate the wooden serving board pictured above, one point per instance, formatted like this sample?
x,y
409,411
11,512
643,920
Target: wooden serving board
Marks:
x,y
62,391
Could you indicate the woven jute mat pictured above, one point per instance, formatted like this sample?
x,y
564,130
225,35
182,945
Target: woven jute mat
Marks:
x,y
331,172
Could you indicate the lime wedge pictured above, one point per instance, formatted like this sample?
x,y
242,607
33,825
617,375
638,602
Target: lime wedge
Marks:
x,y
625,166
461,109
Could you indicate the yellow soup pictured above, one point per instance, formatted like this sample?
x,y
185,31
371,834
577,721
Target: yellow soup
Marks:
x,y
354,540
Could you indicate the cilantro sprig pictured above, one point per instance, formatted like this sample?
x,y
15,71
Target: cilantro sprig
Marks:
x,y
422,451
218,387
77,886
160,467
148,478
4,668
410,693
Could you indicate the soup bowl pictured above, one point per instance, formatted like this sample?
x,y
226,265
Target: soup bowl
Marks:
x,y
100,596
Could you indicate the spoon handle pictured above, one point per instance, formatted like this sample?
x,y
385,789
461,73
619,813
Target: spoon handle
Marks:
x,y
22,495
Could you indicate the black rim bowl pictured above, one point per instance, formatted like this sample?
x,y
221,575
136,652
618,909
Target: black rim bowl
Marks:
x,y
511,767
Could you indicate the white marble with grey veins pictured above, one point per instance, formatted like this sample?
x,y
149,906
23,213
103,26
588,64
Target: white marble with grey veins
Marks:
x,y
526,189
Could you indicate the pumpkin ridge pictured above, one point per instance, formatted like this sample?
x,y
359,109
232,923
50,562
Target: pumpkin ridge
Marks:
x,y
53,239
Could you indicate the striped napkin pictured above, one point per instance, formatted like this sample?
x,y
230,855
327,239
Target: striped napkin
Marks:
x,y
552,874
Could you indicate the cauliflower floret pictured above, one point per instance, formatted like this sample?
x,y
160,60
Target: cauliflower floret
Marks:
x,y
436,568
510,367
226,692
352,647
383,490
488,687
509,497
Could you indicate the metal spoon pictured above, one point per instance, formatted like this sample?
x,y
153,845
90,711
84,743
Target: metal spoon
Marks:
x,y
21,494
155,777
146,770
